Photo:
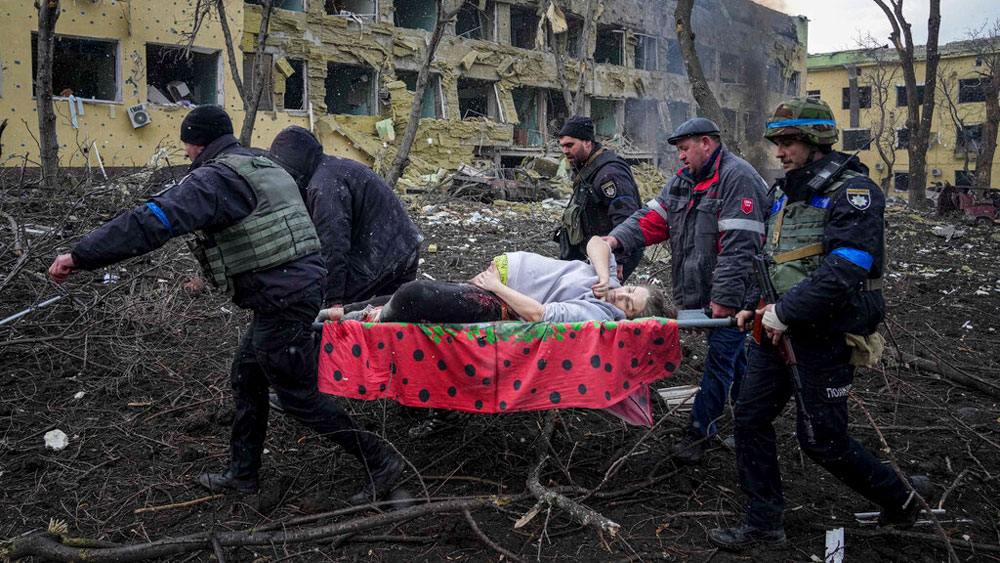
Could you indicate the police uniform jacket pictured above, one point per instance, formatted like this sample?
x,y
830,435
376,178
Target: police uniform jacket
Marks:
x,y
715,223
210,198
835,297
363,228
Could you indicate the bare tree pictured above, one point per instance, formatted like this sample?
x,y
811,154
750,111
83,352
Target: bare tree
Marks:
x,y
918,122
881,78
48,14
700,88
948,88
445,13
986,44
251,91
574,97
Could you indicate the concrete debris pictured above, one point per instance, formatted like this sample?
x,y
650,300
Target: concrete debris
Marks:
x,y
56,440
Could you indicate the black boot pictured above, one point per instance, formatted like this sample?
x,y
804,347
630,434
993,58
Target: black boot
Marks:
x,y
692,447
385,467
226,481
905,516
744,536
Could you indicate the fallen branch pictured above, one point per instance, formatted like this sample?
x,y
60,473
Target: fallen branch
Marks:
x,y
185,504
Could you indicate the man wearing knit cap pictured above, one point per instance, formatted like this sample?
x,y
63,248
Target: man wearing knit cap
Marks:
x,y
604,193
254,240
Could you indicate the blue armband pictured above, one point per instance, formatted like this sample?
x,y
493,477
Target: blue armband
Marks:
x,y
161,216
854,256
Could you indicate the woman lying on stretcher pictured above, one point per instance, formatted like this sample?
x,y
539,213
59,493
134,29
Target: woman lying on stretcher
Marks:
x,y
519,286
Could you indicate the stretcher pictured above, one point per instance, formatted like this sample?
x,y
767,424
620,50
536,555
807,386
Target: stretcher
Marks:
x,y
507,366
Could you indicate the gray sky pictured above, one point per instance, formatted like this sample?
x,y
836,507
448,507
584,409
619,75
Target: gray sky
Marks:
x,y
834,24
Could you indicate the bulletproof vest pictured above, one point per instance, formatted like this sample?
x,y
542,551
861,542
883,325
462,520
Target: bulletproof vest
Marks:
x,y
583,198
795,233
277,231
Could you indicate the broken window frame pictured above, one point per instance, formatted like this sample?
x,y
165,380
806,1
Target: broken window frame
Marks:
x,y
374,109
619,34
117,49
972,90
428,20
814,95
901,95
219,70
971,143
644,141
617,111
531,14
305,89
905,175
434,85
864,97
539,121
277,5
642,40
674,64
862,144
354,16
901,138
488,27
494,107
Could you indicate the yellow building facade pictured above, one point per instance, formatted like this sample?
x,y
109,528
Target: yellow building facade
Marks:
x,y
959,111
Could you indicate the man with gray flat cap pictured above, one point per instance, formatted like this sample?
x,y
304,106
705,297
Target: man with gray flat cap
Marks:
x,y
713,213
604,193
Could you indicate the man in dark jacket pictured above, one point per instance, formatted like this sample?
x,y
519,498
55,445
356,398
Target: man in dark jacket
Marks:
x,y
370,245
604,193
713,213
826,244
235,201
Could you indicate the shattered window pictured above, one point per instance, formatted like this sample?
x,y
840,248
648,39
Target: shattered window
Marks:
x,y
610,47
431,107
968,138
646,52
793,83
266,99
350,90
604,112
901,95
474,23
675,60
85,68
527,133
902,138
965,177
292,5
642,121
416,14
523,27
556,112
901,181
366,9
678,113
474,98
972,90
574,34
295,86
857,139
864,97
813,94
173,76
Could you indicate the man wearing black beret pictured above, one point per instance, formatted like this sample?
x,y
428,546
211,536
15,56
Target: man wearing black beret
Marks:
x,y
604,193
255,240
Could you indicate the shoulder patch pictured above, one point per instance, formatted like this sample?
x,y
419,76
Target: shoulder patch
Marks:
x,y
747,206
609,188
860,198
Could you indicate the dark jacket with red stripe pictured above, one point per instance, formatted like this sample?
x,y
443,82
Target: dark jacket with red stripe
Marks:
x,y
715,223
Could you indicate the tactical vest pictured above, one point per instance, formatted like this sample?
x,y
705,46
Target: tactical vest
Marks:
x,y
795,235
583,197
277,231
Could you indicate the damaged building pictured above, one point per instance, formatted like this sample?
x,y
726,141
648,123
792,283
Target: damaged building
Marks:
x,y
347,70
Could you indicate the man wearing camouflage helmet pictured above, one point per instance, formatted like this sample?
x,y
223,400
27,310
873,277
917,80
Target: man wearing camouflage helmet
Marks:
x,y
712,211
825,250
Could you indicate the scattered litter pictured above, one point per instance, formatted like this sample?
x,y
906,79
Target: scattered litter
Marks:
x,y
947,232
79,395
681,396
967,325
834,546
110,278
432,248
225,310
428,276
56,440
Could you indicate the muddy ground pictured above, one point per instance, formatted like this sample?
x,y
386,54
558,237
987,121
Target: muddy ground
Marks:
x,y
134,370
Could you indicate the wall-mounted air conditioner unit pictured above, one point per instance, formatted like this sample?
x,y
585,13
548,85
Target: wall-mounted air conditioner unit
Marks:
x,y
138,115
879,165
936,172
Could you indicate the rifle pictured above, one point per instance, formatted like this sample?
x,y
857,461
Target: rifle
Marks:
x,y
769,295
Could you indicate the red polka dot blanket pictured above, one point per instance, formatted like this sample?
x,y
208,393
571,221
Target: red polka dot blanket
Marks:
x,y
502,366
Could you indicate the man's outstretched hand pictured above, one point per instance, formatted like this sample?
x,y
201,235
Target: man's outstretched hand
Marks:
x,y
61,268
